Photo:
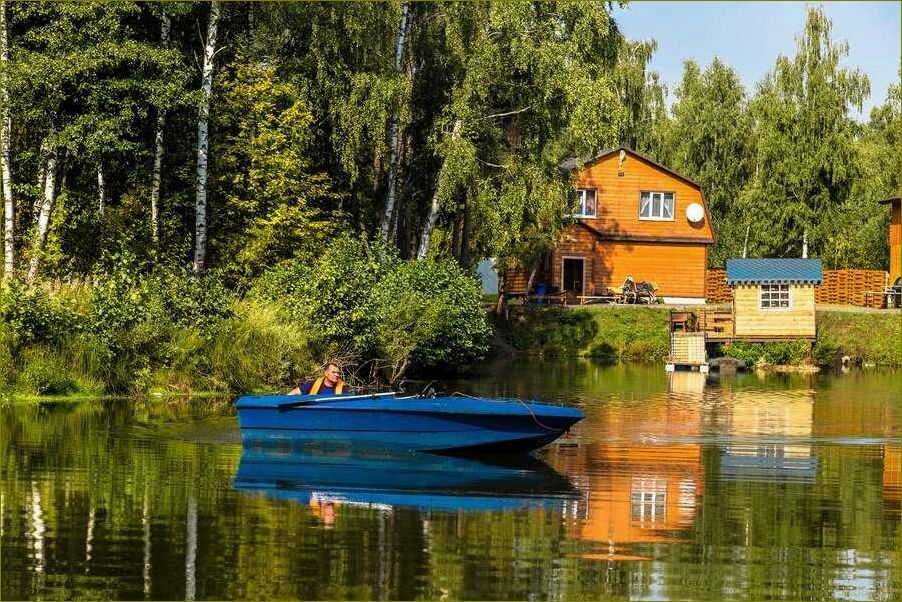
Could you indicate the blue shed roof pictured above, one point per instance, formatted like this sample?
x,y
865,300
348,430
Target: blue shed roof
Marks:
x,y
774,271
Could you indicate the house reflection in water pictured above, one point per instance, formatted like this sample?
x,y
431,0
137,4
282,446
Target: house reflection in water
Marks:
x,y
891,501
638,492
770,436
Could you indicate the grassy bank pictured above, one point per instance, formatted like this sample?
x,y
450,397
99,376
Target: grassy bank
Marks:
x,y
606,333
640,334
168,331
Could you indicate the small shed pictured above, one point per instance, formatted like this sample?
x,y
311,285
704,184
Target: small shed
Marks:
x,y
773,299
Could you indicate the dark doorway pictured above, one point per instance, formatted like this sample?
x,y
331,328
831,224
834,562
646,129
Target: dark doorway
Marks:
x,y
574,271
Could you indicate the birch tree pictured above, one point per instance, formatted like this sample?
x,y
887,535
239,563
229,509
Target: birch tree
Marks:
x,y
711,142
527,86
200,212
165,24
101,192
5,172
805,143
395,139
43,221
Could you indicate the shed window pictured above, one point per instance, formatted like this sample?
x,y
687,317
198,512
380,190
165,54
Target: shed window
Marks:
x,y
774,296
586,206
656,206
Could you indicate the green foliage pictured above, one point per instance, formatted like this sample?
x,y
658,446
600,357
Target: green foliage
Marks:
x,y
428,314
631,334
606,334
31,316
552,331
866,337
783,353
359,295
264,173
805,141
258,347
711,142
331,293
44,374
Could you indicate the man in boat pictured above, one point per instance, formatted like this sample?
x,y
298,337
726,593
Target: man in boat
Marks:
x,y
329,383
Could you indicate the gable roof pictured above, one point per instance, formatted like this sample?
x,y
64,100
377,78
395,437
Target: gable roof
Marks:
x,y
774,271
571,164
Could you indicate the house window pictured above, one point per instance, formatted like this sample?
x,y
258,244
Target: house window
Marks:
x,y
648,501
586,205
774,296
656,206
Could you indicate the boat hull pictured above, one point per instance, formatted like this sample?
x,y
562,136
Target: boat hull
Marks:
x,y
441,425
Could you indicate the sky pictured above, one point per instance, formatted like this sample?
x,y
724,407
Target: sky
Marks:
x,y
749,36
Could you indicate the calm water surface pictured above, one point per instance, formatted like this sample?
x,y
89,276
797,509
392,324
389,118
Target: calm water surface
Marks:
x,y
673,487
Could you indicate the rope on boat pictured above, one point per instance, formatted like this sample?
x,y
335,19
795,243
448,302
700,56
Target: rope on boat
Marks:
x,y
520,401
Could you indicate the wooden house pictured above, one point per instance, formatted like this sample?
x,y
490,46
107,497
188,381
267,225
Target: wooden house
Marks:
x,y
635,217
773,299
895,243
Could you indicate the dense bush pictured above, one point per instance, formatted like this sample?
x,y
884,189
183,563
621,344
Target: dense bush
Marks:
x,y
31,316
134,331
331,294
791,353
360,296
552,331
427,314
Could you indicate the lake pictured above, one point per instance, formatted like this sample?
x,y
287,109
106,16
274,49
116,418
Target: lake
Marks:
x,y
674,487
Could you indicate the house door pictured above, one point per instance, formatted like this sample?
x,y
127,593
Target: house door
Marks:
x,y
574,272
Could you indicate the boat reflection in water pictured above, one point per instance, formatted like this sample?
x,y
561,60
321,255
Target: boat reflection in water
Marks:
x,y
324,477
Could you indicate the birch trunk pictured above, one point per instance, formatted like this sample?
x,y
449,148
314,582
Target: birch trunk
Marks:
x,y
158,151
101,191
465,235
5,172
532,277
393,157
200,224
44,215
42,180
191,549
436,204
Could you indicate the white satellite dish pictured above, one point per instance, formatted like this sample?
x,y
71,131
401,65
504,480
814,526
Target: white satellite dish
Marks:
x,y
695,213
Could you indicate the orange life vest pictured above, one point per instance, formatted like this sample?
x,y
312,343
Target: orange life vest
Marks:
x,y
318,384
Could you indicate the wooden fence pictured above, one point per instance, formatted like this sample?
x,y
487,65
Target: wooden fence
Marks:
x,y
840,287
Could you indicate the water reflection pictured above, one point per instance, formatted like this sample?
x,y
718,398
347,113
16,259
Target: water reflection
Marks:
x,y
325,479
673,487
770,436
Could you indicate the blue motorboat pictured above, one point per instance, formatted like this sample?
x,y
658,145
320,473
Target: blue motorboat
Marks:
x,y
448,424
313,475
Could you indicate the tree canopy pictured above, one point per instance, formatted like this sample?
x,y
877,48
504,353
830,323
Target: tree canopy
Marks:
x,y
459,112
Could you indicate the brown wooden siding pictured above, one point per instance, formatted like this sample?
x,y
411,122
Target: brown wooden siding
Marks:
x,y
796,321
677,269
618,199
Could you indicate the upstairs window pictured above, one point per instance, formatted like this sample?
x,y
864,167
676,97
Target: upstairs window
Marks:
x,y
656,206
774,296
586,205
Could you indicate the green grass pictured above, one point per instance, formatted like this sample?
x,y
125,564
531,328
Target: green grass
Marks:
x,y
867,337
636,334
640,334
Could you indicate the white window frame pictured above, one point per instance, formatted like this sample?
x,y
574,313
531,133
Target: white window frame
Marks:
x,y
582,193
648,501
662,194
773,288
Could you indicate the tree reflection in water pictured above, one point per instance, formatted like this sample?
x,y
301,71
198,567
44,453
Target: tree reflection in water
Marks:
x,y
778,487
